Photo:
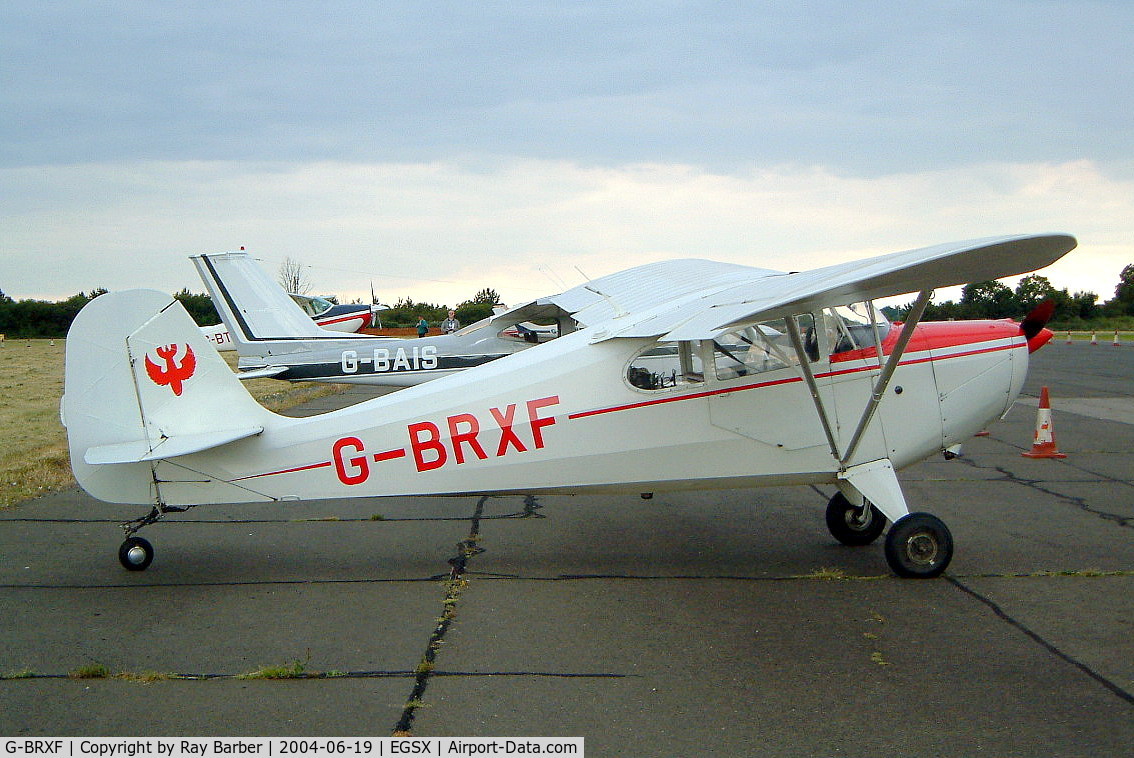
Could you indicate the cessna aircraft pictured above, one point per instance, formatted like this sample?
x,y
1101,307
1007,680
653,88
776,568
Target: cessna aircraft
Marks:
x,y
340,318
274,338
687,374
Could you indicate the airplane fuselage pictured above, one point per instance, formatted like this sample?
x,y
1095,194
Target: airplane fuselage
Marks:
x,y
563,419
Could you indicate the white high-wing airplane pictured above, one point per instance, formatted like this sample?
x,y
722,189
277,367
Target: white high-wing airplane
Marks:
x,y
275,338
688,374
327,315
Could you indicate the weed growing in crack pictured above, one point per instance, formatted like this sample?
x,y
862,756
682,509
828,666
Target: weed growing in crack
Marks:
x,y
297,669
144,677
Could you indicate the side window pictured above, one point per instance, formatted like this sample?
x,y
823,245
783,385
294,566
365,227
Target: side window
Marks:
x,y
851,328
760,348
666,365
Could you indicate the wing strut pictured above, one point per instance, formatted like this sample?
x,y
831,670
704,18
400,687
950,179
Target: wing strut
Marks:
x,y
809,378
912,319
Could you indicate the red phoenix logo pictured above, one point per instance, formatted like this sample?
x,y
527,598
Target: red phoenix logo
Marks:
x,y
172,373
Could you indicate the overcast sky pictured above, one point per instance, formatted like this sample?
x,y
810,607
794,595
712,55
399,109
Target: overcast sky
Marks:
x,y
438,148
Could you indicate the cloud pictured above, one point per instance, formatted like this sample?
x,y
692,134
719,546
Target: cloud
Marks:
x,y
905,86
440,231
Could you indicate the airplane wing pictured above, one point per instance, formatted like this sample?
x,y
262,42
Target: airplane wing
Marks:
x,y
638,290
696,299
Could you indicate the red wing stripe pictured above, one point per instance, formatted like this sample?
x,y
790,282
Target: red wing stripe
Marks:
x,y
285,471
390,455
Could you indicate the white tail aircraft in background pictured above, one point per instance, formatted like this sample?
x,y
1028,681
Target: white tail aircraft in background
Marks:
x,y
327,315
687,374
275,338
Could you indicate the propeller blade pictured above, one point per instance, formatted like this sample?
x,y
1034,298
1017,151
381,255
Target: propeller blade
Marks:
x,y
1037,319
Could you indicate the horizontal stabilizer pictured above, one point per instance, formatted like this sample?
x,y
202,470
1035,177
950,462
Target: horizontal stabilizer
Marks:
x,y
260,373
169,447
143,385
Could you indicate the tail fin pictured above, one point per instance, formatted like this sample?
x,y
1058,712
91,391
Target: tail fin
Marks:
x,y
253,307
141,385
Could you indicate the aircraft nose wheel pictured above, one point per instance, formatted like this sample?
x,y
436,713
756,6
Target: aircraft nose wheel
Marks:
x,y
852,525
919,546
135,554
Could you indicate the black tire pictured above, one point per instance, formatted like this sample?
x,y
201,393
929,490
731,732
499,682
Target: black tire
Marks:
x,y
919,546
844,524
135,554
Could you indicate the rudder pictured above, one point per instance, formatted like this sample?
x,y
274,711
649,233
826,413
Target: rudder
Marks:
x,y
142,384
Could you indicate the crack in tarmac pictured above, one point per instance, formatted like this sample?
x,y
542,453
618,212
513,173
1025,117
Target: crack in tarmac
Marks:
x,y
1037,638
1046,574
377,674
455,585
1077,501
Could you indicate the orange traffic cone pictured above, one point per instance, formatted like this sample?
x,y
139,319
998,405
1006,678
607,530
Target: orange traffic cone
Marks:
x,y
1094,338
1043,446
1068,338
1115,338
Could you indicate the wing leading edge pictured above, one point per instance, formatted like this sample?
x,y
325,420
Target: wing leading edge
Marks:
x,y
695,299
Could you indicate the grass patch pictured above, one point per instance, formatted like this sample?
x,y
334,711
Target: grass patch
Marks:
x,y
90,671
34,460
21,674
1090,573
144,677
297,669
831,574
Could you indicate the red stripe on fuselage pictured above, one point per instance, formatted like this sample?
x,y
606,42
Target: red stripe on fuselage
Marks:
x,y
937,335
285,471
390,455
349,317
869,367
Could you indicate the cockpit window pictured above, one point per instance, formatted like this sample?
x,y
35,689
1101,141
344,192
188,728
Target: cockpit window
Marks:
x,y
760,348
313,306
319,305
850,327
667,365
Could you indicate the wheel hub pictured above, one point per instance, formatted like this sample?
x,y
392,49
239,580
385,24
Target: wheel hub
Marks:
x,y
921,548
859,518
136,555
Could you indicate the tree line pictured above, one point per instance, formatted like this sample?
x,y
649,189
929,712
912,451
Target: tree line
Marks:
x,y
40,319
993,299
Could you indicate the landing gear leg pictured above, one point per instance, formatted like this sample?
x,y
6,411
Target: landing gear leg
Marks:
x,y
918,545
136,553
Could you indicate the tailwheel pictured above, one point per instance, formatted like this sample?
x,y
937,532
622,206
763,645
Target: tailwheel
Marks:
x,y
919,546
135,554
851,524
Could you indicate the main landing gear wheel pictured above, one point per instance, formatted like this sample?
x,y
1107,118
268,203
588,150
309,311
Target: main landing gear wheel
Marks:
x,y
136,554
852,525
919,546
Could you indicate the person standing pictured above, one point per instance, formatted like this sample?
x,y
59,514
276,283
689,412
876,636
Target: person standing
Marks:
x,y
422,327
451,324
